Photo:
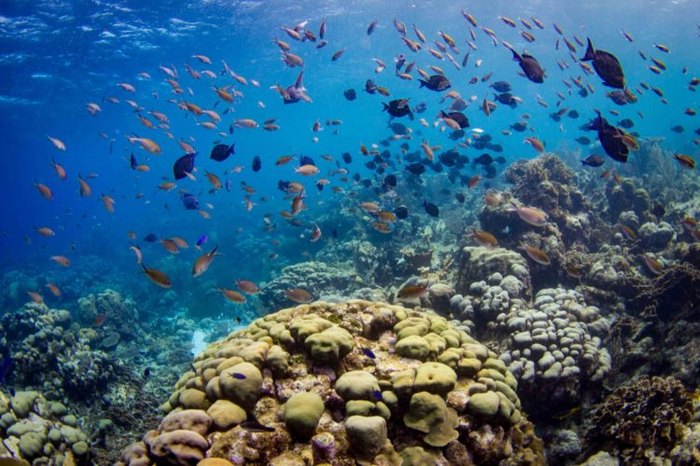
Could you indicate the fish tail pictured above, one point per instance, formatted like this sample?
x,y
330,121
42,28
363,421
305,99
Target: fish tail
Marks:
x,y
386,106
590,51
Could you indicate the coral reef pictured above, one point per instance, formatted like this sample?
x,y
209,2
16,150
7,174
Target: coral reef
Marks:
x,y
642,421
49,353
475,263
40,431
317,278
345,383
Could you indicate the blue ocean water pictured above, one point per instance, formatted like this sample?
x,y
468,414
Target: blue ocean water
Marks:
x,y
57,57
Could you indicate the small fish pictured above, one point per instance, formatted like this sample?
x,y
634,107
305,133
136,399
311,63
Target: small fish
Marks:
x,y
652,264
247,286
535,143
484,238
157,277
531,215
593,161
54,289
412,291
368,352
61,260
36,297
232,295
203,262
137,253
57,143
536,254
686,161
85,190
239,376
298,295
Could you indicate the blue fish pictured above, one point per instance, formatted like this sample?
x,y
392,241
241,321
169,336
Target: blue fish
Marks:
x,y
257,164
239,376
202,240
190,201
369,353
184,165
132,162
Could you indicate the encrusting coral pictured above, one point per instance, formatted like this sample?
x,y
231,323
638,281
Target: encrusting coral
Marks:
x,y
329,383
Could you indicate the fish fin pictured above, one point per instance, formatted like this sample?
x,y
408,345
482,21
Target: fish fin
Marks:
x,y
516,56
590,51
422,83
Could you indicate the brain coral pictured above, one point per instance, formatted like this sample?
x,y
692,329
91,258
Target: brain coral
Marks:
x,y
444,398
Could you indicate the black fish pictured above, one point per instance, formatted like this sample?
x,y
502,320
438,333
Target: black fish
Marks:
x,y
257,164
449,158
347,158
184,165
366,182
132,162
436,82
398,128
519,126
458,117
416,168
530,66
390,181
606,65
500,86
253,425
573,114
609,137
147,373
401,212
678,129
431,209
484,159
460,197
594,161
583,140
150,238
306,160
626,123
350,94
398,108
221,152
190,201
370,87
506,98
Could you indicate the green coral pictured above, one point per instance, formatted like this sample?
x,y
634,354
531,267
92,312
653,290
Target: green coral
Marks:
x,y
430,414
357,385
241,384
302,413
330,345
367,435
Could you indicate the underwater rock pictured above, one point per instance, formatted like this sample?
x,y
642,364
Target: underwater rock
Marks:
x,y
369,404
627,196
656,236
317,278
643,420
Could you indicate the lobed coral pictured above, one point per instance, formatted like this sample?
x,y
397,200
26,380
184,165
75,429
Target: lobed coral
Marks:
x,y
39,431
346,383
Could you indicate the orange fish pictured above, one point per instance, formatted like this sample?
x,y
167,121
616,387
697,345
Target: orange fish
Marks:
x,y
652,264
203,262
54,289
44,190
412,291
381,227
536,254
45,231
147,144
60,171
686,161
484,238
157,277
473,181
247,286
535,143
108,202
214,180
170,246
61,260
100,319
532,215
85,190
36,297
298,295
232,295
